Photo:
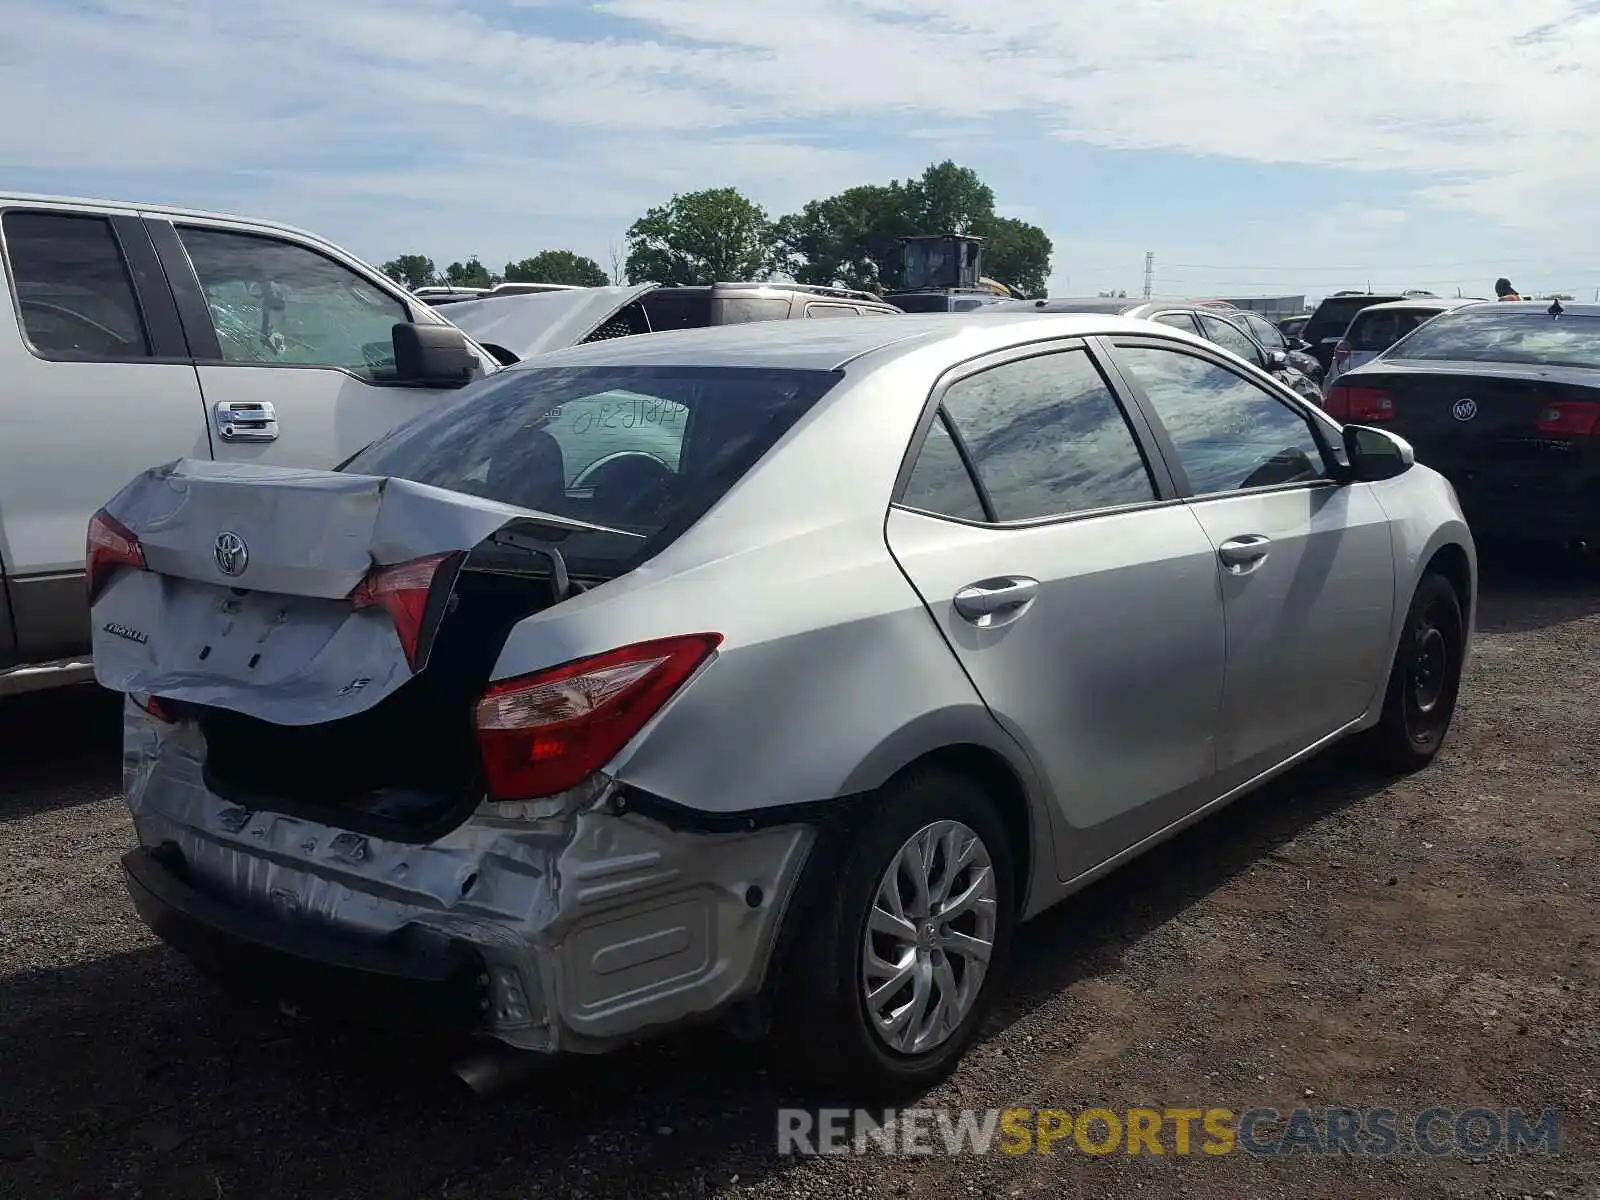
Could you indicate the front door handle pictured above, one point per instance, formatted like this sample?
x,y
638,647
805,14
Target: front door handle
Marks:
x,y
987,599
246,421
1242,554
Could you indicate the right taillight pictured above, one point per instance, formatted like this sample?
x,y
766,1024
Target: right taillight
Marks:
x,y
544,733
1570,418
1349,402
110,546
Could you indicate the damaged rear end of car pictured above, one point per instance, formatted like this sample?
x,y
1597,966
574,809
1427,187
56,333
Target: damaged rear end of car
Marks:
x,y
347,803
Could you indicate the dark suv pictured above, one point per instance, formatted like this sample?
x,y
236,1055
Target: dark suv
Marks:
x,y
1332,317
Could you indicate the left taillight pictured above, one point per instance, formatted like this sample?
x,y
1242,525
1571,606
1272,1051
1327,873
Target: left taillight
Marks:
x,y
403,591
110,545
546,732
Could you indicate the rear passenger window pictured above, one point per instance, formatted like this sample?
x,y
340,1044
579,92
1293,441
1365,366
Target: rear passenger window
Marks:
x,y
940,482
1048,438
831,310
1178,320
73,292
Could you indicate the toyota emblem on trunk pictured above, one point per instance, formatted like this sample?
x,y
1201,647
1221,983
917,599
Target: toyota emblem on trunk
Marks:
x,y
1464,409
233,556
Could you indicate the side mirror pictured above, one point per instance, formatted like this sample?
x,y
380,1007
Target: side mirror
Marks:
x,y
1277,360
1303,346
432,355
1376,454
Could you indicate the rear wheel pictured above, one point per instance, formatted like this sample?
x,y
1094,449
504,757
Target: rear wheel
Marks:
x,y
1424,680
888,981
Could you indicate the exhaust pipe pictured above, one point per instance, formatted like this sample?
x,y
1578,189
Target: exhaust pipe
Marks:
x,y
493,1071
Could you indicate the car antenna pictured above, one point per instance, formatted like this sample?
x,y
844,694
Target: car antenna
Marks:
x,y
1555,309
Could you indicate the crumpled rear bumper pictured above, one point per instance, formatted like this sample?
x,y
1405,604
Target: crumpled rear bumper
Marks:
x,y
576,929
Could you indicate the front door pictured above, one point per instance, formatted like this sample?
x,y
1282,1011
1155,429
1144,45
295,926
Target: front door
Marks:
x,y
1305,564
1083,608
300,366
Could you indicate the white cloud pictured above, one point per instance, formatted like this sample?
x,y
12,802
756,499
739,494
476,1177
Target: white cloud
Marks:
x,y
508,116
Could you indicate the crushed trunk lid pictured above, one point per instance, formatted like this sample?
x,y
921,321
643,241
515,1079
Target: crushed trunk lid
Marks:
x,y
246,603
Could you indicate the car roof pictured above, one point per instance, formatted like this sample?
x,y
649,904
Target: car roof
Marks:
x,y
1423,303
830,345
165,210
1573,308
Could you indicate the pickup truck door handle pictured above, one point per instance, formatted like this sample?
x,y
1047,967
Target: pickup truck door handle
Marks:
x,y
984,601
245,420
1243,554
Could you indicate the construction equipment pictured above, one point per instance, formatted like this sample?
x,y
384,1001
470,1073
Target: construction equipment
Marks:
x,y
944,273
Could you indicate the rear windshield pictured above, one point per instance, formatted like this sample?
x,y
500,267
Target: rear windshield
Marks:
x,y
1380,330
1494,335
1332,317
643,449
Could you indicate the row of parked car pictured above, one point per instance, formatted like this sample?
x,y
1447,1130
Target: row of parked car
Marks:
x,y
624,675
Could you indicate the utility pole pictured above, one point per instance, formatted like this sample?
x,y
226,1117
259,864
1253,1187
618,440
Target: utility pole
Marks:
x,y
1149,272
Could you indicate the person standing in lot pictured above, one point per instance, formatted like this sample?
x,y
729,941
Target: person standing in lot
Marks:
x,y
1504,291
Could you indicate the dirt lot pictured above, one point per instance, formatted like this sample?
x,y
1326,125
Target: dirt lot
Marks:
x,y
1326,942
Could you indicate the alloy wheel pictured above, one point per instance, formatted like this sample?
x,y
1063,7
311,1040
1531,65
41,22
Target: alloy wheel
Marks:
x,y
929,937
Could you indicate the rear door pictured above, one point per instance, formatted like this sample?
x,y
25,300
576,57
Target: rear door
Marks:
x,y
294,348
1304,564
97,386
1078,595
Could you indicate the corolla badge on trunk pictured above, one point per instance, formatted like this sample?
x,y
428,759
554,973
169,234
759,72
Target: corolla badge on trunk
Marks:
x,y
1464,409
232,555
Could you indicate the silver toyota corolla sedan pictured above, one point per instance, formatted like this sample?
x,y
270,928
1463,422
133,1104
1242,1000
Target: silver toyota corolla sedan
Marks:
x,y
771,672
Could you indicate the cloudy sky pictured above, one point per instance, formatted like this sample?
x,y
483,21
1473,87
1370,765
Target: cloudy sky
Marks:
x,y
1254,148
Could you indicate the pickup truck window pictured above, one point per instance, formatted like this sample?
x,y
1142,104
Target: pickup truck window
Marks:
x,y
276,303
73,293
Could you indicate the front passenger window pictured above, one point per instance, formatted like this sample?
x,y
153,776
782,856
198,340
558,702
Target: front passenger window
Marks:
x,y
1228,432
277,303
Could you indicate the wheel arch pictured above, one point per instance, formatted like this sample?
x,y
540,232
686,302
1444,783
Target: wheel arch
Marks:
x,y
999,780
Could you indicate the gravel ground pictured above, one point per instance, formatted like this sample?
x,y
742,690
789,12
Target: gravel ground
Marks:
x,y
1328,941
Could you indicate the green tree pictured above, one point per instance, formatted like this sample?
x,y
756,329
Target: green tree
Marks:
x,y
471,273
853,239
412,270
1017,253
701,237
557,266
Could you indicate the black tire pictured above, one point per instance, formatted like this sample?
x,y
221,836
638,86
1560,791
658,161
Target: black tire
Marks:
x,y
823,1035
1424,680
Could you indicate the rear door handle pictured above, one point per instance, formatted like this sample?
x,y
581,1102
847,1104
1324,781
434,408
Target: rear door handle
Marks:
x,y
1242,554
245,420
987,599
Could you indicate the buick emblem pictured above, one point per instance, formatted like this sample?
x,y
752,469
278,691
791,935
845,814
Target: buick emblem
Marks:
x,y
233,556
1464,410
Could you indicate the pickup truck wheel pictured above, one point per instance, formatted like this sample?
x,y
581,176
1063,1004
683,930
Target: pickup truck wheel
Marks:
x,y
1424,680
889,979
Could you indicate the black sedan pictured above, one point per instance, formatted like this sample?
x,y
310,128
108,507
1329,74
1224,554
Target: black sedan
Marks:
x,y
1503,399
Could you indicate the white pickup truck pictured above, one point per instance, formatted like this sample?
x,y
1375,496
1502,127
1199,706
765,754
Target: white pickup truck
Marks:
x,y
131,336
